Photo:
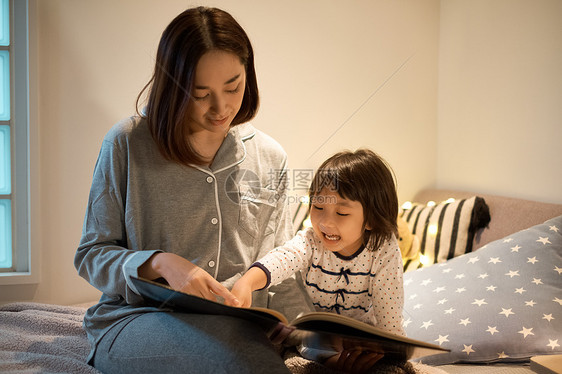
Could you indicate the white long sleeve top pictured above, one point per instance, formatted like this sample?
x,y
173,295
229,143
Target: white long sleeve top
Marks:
x,y
366,286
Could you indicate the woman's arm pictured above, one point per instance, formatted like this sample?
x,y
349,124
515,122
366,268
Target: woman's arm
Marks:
x,y
183,275
105,257
102,256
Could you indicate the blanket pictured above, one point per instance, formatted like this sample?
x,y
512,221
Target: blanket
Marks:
x,y
39,338
47,338
299,365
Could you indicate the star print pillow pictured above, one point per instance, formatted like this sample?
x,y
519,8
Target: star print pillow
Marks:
x,y
501,303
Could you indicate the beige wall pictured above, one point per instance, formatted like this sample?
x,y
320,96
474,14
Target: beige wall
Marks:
x,y
500,97
332,75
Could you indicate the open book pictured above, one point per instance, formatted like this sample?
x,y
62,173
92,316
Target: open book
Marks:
x,y
326,332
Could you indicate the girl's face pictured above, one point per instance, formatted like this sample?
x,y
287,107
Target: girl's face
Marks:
x,y
338,222
218,90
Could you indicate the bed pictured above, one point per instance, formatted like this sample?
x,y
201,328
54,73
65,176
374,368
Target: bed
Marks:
x,y
480,331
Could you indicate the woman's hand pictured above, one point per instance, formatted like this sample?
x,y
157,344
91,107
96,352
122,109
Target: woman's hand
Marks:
x,y
184,276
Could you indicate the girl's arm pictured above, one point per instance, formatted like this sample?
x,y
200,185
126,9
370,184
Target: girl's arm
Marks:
x,y
387,288
276,266
254,279
288,259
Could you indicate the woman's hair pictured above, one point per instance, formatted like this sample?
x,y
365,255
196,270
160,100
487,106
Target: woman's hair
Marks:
x,y
186,39
365,177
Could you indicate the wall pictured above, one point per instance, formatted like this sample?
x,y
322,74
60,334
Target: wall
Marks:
x,y
500,95
332,75
462,94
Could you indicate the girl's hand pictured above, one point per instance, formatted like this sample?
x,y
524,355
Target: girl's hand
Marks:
x,y
254,279
184,276
354,361
242,290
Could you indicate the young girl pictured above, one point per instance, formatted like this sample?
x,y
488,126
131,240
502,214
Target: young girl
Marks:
x,y
350,259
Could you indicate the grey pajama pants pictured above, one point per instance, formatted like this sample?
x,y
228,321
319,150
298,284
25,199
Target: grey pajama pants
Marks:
x,y
162,342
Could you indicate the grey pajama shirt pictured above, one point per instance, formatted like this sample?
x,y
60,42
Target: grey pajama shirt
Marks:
x,y
222,218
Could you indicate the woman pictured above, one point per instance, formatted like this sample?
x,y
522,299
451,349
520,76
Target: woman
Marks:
x,y
187,191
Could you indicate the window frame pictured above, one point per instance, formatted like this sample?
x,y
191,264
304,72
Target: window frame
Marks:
x,y
25,257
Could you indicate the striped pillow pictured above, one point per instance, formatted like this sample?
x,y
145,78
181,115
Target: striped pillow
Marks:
x,y
445,230
300,215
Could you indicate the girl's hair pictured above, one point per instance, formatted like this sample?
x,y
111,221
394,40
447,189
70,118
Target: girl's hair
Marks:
x,y
186,39
365,177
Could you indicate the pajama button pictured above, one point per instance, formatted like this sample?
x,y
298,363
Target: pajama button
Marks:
x,y
209,179
214,221
211,264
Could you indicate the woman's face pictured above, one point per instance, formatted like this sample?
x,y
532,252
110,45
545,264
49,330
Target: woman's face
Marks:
x,y
218,90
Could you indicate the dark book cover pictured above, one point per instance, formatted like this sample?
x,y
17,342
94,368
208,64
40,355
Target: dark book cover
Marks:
x,y
328,332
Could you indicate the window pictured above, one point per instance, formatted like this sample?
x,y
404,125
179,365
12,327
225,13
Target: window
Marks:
x,y
14,140
5,140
